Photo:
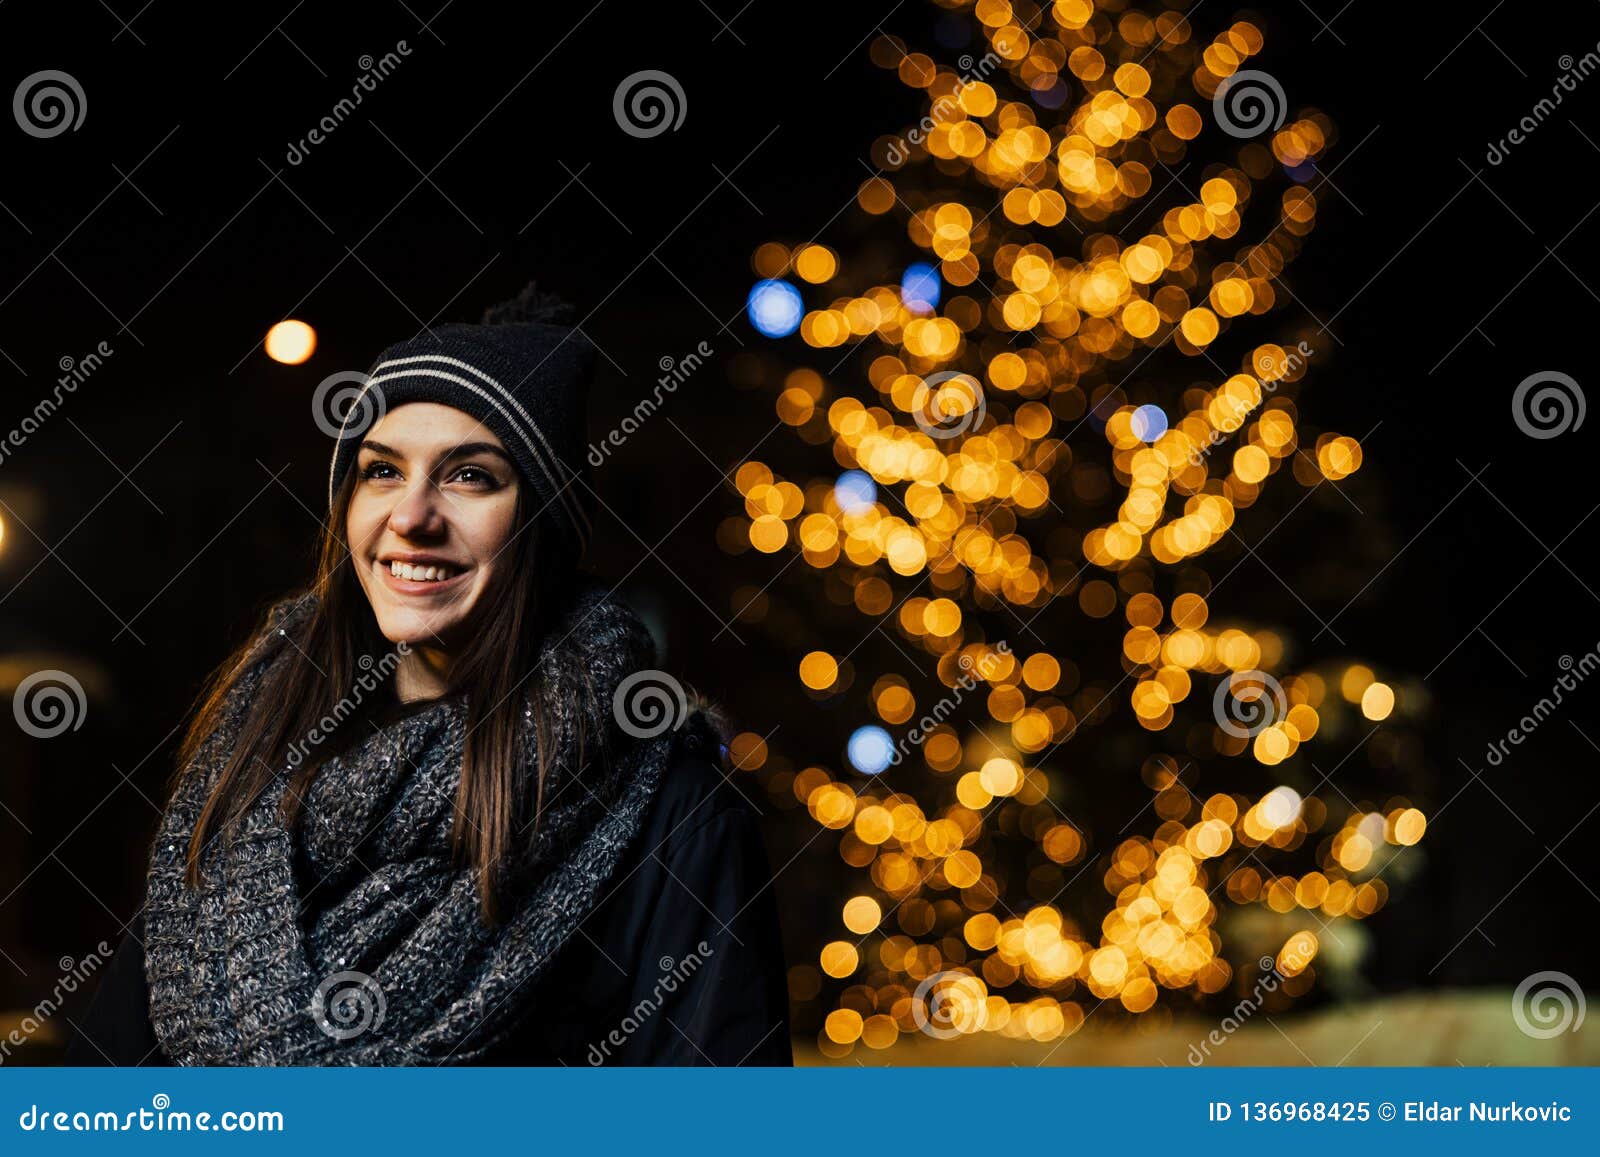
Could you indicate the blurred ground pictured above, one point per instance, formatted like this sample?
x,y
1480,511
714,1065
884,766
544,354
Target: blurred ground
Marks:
x,y
1452,1028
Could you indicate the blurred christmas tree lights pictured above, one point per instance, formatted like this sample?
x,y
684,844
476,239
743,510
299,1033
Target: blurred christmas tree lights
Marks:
x,y
1024,485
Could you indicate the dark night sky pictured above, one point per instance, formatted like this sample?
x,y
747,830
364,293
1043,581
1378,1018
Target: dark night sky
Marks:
x,y
180,488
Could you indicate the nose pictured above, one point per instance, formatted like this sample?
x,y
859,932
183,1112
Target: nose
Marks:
x,y
419,512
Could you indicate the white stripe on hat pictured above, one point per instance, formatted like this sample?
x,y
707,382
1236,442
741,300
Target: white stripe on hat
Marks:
x,y
569,502
505,393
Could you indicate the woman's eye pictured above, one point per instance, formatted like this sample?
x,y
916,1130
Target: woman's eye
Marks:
x,y
475,476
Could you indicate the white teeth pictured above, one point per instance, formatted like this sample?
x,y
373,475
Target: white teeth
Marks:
x,y
421,573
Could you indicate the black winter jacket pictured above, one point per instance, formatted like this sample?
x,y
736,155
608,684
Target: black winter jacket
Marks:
x,y
679,964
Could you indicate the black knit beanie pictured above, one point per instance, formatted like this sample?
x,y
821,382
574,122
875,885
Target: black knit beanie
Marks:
x,y
522,373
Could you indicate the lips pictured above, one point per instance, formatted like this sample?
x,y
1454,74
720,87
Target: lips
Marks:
x,y
422,577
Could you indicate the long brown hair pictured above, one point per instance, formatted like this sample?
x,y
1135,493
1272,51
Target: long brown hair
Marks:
x,y
311,681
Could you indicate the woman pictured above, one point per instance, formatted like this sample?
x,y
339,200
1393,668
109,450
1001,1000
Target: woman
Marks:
x,y
441,809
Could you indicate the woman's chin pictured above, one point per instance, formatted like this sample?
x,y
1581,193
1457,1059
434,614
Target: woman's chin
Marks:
x,y
417,628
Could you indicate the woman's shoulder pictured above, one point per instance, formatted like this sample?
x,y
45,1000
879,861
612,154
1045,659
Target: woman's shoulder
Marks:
x,y
698,792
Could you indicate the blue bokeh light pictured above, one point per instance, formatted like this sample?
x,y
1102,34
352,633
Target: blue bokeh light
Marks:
x,y
919,288
774,307
1051,95
870,749
1149,423
855,491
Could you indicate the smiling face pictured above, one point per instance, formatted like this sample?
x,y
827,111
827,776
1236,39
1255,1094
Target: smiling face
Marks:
x,y
429,522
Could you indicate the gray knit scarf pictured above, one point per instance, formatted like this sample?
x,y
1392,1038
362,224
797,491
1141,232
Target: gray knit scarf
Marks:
x,y
396,967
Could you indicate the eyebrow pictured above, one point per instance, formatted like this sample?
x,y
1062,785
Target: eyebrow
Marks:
x,y
465,450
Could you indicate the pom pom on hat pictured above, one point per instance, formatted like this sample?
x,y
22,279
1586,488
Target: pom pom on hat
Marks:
x,y
530,305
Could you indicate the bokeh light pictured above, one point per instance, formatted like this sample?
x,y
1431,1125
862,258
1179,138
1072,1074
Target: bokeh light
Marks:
x,y
855,492
919,288
870,749
290,342
774,307
1149,423
1057,429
